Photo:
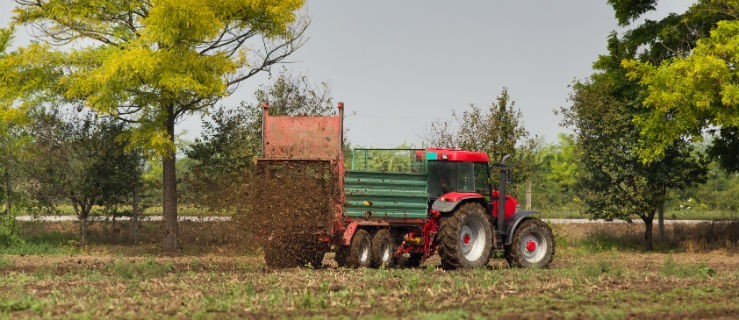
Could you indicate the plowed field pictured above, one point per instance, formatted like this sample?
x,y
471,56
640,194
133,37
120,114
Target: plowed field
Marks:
x,y
597,274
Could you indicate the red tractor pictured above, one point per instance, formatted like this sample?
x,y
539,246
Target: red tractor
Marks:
x,y
392,206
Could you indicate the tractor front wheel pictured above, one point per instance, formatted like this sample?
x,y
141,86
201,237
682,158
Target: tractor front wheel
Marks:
x,y
465,238
532,245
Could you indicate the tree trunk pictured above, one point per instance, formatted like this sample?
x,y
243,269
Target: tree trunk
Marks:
x,y
648,244
661,222
135,214
83,232
83,214
82,208
169,183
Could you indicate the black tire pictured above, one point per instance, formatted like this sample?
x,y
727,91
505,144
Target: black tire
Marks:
x,y
532,245
360,250
410,260
465,238
383,248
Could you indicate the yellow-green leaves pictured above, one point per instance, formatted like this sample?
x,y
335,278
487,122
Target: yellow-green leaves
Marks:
x,y
173,23
6,34
28,76
686,95
149,61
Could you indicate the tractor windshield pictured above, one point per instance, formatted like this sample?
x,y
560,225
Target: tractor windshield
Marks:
x,y
446,176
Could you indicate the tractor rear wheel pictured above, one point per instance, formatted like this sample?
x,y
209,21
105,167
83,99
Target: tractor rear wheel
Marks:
x,y
532,245
465,238
383,249
360,250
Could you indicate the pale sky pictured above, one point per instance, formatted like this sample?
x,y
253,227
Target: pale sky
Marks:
x,y
400,65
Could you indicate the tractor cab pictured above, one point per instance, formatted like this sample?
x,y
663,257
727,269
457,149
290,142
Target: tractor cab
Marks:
x,y
457,171
457,174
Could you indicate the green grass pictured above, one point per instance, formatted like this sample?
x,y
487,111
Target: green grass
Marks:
x,y
597,290
587,282
52,243
138,271
598,274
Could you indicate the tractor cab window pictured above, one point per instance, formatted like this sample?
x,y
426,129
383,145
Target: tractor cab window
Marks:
x,y
482,180
445,176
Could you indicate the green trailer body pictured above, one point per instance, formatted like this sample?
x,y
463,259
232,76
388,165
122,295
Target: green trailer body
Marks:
x,y
385,194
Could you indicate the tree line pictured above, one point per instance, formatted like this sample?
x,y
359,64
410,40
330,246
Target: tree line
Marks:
x,y
89,109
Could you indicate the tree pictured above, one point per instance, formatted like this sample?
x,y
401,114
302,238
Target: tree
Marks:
x,y
231,140
12,138
152,62
499,130
556,173
613,182
81,160
686,95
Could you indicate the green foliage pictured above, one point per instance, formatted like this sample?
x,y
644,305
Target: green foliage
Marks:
x,y
400,159
81,159
627,10
498,130
8,230
613,181
718,194
147,62
723,148
78,158
556,175
151,188
152,61
694,90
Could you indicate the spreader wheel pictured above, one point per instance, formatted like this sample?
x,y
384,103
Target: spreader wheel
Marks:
x,y
532,245
360,250
465,238
383,248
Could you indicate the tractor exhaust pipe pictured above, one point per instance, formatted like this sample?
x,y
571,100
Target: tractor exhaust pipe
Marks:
x,y
501,194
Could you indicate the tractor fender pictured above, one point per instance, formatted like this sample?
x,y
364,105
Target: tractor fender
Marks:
x,y
513,223
449,201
